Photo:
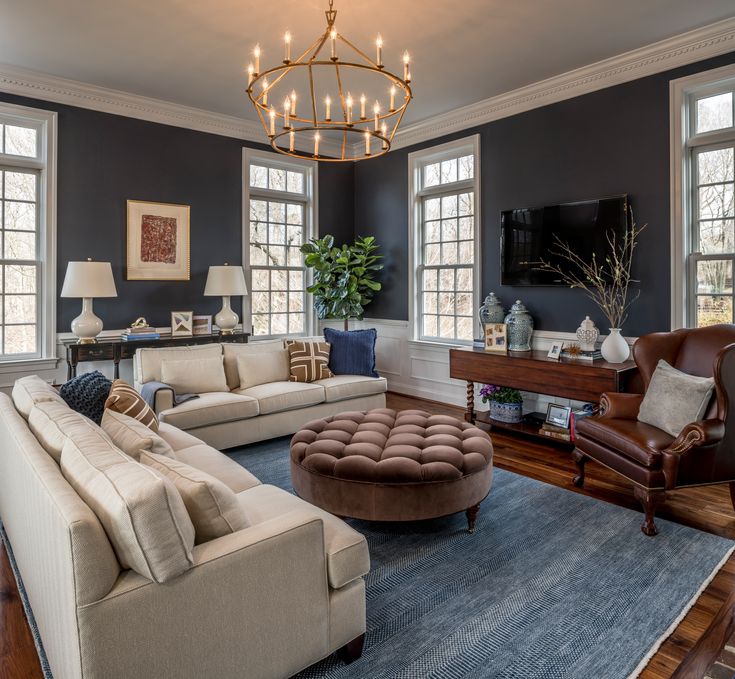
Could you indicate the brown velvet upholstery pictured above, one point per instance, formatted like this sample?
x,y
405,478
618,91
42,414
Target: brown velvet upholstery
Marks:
x,y
703,453
385,465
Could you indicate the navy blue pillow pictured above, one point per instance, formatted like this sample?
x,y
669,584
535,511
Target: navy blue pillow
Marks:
x,y
352,352
87,394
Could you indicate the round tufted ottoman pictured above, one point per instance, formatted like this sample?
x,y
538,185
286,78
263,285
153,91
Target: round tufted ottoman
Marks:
x,y
384,465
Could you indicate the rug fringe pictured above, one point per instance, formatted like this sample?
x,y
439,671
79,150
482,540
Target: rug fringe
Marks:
x,y
670,630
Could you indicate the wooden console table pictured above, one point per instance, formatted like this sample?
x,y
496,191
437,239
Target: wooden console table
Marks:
x,y
115,349
534,371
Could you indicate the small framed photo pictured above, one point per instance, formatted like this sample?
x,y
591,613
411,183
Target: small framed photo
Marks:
x,y
555,351
496,337
558,415
182,323
202,325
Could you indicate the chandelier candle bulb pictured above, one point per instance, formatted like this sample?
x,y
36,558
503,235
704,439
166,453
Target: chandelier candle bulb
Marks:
x,y
287,41
349,109
256,54
291,141
316,144
328,105
272,114
333,41
251,73
286,109
265,92
379,49
367,142
376,111
392,98
384,130
293,103
406,72
362,106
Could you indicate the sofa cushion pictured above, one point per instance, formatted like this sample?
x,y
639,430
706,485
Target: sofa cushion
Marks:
x,y
52,422
231,350
194,377
309,361
142,513
346,549
127,401
213,508
87,394
211,408
219,465
148,360
342,387
27,391
352,352
278,396
268,366
177,438
131,436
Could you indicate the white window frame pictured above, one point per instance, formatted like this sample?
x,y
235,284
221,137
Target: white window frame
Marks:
x,y
416,193
310,200
683,93
45,122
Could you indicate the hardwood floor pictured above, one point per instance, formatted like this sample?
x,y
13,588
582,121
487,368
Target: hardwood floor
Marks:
x,y
707,509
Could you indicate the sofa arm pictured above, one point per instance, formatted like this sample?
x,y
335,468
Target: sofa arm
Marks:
x,y
621,406
164,400
696,435
256,601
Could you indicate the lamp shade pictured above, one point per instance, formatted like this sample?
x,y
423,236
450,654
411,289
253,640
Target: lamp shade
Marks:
x,y
89,279
225,280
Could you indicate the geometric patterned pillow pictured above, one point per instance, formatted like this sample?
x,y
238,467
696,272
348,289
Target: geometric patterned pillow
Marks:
x,y
309,361
124,399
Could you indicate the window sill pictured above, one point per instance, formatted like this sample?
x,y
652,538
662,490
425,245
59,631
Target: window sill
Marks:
x,y
28,365
437,346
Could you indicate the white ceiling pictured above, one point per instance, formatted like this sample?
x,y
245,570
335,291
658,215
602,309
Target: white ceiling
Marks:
x,y
194,53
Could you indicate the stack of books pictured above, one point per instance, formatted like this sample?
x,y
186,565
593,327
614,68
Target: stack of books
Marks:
x,y
138,334
554,432
583,355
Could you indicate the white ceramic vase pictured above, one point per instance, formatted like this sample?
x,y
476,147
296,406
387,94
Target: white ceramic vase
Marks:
x,y
615,349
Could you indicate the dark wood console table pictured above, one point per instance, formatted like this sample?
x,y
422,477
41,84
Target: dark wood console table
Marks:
x,y
115,349
534,371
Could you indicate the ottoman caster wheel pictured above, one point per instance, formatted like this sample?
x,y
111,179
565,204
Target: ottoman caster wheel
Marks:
x,y
472,517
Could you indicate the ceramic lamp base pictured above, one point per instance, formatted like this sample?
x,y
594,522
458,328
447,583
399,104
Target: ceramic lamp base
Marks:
x,y
87,325
226,319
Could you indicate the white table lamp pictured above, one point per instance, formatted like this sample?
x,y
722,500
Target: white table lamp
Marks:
x,y
88,280
224,281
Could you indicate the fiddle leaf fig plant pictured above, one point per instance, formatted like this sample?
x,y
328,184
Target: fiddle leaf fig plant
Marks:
x,y
344,277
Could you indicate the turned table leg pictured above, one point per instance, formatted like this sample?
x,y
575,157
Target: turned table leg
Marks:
x,y
469,415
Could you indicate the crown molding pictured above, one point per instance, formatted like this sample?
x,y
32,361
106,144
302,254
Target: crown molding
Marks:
x,y
686,48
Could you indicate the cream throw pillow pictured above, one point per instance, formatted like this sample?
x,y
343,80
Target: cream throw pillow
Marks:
x,y
52,423
194,376
142,513
255,369
29,390
132,436
213,508
675,399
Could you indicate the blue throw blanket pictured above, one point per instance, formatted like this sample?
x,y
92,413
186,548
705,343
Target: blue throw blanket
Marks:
x,y
149,390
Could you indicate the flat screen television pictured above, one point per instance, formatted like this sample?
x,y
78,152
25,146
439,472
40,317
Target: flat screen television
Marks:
x,y
527,236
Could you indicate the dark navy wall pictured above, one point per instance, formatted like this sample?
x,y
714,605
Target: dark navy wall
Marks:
x,y
104,160
608,142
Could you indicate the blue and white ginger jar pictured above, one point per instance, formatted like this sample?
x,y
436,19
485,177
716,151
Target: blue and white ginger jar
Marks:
x,y
520,327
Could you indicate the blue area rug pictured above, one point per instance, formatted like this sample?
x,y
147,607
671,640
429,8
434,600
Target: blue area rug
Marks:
x,y
552,584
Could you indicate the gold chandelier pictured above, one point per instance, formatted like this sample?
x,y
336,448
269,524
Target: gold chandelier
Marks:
x,y
343,128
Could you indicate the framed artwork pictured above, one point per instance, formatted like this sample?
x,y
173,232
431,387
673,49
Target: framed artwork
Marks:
x,y
157,242
555,351
182,323
558,415
496,337
202,325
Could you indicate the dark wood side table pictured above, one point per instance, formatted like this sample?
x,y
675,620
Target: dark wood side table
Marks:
x,y
116,349
535,371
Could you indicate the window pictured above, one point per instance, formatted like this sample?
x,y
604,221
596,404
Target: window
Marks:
x,y
279,200
27,224
445,244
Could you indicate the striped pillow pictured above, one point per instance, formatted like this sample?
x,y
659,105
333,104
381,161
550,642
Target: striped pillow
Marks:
x,y
124,399
309,361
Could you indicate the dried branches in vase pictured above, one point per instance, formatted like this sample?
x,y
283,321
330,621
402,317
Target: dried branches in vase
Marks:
x,y
606,283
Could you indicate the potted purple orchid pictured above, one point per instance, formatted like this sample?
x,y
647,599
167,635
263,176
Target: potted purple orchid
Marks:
x,y
506,404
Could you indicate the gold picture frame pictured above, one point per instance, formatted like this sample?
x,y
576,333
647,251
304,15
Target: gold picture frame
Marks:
x,y
158,241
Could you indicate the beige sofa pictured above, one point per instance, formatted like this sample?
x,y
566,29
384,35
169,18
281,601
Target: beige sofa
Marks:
x,y
265,601
224,419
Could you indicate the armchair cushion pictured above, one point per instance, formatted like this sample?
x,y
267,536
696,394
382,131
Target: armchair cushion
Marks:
x,y
675,399
635,440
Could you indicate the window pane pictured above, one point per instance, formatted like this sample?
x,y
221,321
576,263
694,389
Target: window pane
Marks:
x,y
260,302
20,216
430,279
430,304
20,185
432,232
2,148
446,327
449,206
449,229
432,175
714,277
20,308
466,228
714,113
466,204
464,304
713,310
449,171
259,176
258,255
19,244
260,279
464,328
258,210
276,179
21,141
716,202
431,255
449,253
466,167
294,213
464,279
446,279
20,339
295,182
715,166
277,234
431,208
431,325
296,323
276,212
277,255
295,301
20,279
279,324
717,237
296,280
260,324
295,258
466,252
279,302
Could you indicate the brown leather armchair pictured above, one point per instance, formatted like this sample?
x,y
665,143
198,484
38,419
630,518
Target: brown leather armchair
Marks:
x,y
702,454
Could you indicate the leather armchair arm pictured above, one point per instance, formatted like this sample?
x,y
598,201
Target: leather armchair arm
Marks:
x,y
621,406
696,435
